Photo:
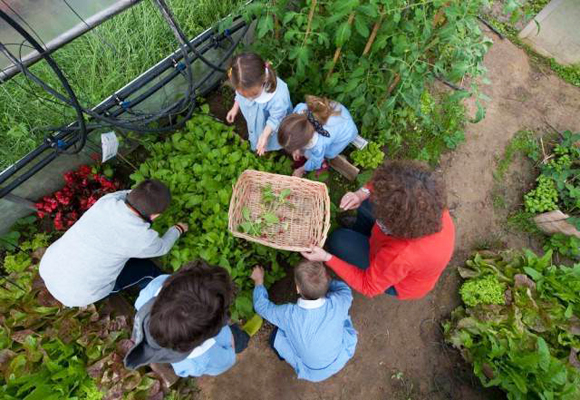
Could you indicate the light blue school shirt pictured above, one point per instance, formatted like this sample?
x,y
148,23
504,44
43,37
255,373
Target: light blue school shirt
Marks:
x,y
213,357
271,113
315,337
342,131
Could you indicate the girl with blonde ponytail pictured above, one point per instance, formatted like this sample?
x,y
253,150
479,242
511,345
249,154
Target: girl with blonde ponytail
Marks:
x,y
317,129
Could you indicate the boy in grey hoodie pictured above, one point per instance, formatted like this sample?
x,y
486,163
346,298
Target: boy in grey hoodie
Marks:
x,y
107,249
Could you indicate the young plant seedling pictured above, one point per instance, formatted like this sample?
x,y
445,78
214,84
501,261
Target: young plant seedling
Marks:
x,y
269,218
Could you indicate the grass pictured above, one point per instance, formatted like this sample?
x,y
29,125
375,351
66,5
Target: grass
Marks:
x,y
97,64
533,7
522,142
523,221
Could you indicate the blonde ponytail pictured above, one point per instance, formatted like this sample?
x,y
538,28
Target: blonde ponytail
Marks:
x,y
322,108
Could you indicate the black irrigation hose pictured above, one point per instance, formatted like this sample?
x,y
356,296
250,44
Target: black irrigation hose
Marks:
x,y
53,65
490,26
168,15
64,131
112,101
176,72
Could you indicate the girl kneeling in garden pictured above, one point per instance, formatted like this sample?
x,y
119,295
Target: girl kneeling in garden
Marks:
x,y
403,238
317,129
263,98
182,319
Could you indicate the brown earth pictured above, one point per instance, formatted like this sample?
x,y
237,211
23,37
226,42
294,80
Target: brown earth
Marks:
x,y
400,353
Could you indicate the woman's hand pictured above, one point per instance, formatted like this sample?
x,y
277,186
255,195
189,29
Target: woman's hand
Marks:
x,y
353,200
316,254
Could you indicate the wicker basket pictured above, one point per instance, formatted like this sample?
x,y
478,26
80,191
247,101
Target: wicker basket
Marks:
x,y
308,215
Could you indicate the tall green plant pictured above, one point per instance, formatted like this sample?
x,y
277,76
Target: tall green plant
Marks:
x,y
376,57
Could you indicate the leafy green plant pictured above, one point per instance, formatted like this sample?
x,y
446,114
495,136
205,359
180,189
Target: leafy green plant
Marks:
x,y
523,142
558,186
52,352
567,246
378,58
200,165
484,290
526,346
269,218
370,157
543,198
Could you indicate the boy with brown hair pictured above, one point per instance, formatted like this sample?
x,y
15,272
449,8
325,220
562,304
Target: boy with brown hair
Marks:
x,y
109,248
182,319
315,335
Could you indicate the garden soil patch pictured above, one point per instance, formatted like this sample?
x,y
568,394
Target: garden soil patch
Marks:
x,y
400,354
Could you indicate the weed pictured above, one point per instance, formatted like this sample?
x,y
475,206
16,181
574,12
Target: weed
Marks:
x,y
404,389
492,242
523,142
498,200
522,221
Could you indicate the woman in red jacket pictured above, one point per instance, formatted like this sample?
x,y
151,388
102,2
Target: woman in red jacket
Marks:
x,y
403,237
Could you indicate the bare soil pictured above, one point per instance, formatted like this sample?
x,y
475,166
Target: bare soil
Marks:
x,y
400,353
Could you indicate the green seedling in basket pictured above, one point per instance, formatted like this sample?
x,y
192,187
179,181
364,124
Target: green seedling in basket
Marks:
x,y
271,203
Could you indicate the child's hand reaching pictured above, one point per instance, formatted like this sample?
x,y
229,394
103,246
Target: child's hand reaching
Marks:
x,y
263,140
299,172
262,143
231,116
258,275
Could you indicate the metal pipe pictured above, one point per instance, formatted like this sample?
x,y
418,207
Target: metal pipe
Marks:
x,y
130,88
68,36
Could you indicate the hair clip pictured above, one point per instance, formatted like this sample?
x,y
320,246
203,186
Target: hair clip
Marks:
x,y
230,72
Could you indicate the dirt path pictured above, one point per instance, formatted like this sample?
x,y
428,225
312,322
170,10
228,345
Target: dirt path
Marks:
x,y
399,355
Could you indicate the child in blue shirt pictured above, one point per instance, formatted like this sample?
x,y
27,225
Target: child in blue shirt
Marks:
x,y
317,129
263,98
315,335
182,320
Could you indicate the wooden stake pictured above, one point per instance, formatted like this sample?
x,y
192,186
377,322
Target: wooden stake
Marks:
x,y
339,49
394,84
392,87
344,167
309,24
440,18
276,23
373,36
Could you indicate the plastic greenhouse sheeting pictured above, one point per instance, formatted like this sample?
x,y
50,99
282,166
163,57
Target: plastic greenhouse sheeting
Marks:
x,y
171,84
52,22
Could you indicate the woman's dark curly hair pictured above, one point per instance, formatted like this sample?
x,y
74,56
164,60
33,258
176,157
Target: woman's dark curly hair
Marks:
x,y
408,198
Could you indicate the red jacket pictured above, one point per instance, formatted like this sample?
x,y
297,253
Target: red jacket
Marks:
x,y
413,266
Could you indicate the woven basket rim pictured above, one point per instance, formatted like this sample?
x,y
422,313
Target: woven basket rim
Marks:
x,y
320,188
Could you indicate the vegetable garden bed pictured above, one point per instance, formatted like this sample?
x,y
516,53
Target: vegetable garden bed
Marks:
x,y
358,48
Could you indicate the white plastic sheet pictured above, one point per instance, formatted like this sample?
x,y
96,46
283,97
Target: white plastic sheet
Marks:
x,y
51,22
